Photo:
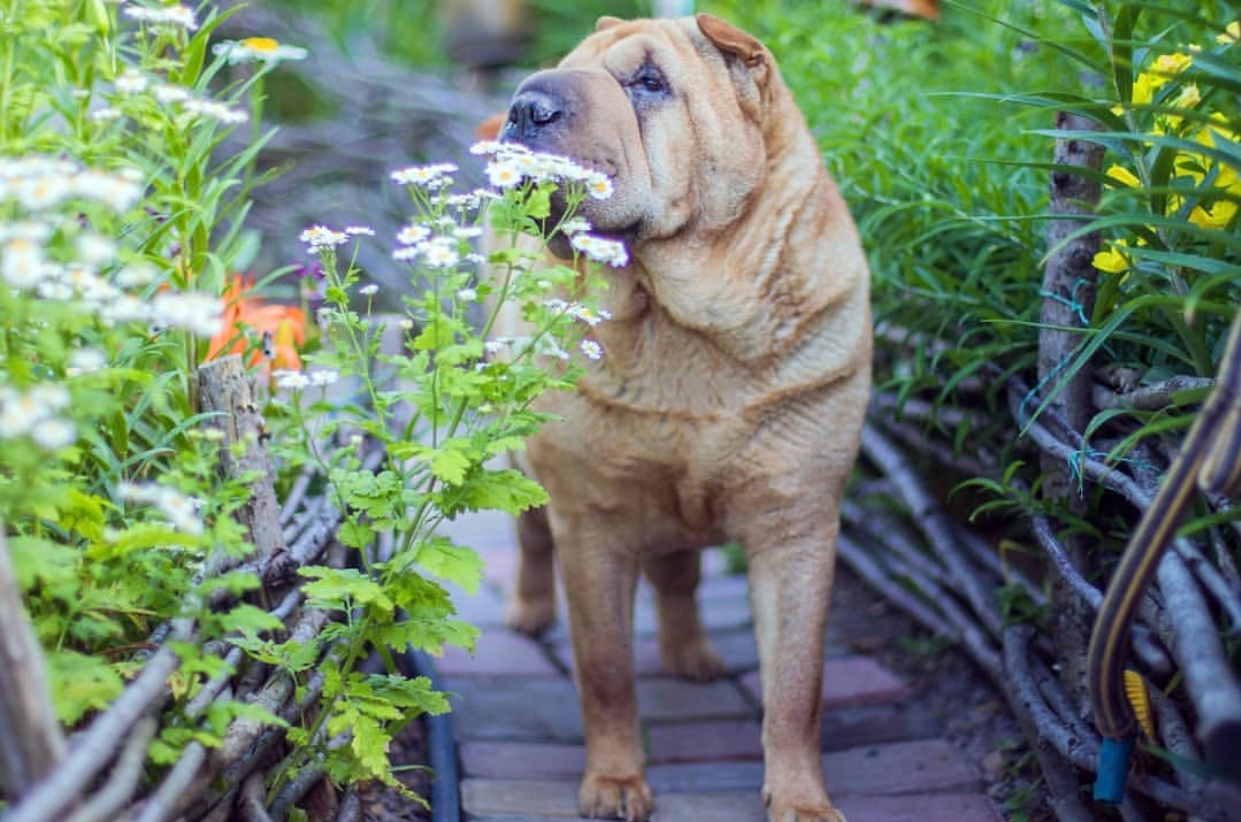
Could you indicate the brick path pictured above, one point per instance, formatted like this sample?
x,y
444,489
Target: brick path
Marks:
x,y
519,730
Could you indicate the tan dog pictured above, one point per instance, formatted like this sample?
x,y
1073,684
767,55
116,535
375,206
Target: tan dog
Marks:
x,y
730,398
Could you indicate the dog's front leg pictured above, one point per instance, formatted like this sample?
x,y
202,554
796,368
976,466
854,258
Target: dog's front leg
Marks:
x,y
600,572
790,590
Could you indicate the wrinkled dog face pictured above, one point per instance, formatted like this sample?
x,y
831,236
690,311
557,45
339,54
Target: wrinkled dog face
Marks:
x,y
650,107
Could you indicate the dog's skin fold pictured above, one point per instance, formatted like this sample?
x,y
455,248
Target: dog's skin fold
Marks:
x,y
729,402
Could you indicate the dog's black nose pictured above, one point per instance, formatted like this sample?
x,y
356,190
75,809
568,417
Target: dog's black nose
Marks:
x,y
531,113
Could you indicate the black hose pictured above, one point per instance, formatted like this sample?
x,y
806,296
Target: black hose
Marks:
x,y
441,748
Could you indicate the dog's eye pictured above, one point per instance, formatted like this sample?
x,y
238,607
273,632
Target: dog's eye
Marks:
x,y
647,83
652,83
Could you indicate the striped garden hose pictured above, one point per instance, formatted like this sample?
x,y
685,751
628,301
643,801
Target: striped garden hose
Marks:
x,y
1210,458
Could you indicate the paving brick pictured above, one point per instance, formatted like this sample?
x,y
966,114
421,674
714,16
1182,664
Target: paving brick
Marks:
x,y
748,807
928,765
875,724
536,709
666,698
485,531
854,680
520,797
484,608
704,741
900,768
706,777
712,807
951,807
498,652
522,760
736,648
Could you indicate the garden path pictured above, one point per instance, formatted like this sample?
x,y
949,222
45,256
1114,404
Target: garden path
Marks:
x,y
519,736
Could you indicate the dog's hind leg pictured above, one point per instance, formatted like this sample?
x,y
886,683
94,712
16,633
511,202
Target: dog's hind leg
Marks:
x,y
684,649
532,605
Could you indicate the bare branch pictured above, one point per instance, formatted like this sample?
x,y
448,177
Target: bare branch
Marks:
x,y
31,742
106,803
1153,397
95,748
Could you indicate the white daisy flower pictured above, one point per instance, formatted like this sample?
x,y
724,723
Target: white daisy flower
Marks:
x,y
291,380
22,264
131,81
53,434
167,94
262,49
591,349
413,234
369,290
318,237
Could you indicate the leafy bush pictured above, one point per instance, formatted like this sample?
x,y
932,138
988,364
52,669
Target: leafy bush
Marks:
x,y
942,139
121,235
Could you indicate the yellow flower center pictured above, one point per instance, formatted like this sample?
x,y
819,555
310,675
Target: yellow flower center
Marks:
x,y
262,44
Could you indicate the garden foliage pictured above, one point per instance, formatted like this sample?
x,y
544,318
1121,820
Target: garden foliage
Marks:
x,y
123,248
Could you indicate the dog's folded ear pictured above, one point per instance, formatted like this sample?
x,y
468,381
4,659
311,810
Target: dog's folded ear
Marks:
x,y
606,22
732,40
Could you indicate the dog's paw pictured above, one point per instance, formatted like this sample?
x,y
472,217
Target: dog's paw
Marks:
x,y
821,810
696,661
605,797
531,616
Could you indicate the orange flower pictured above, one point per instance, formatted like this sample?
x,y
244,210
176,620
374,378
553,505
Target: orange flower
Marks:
x,y
282,327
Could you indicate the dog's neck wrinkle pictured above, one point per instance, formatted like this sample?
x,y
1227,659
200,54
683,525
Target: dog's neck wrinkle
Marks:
x,y
758,293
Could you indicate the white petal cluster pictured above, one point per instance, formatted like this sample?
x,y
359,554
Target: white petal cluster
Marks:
x,y
36,414
38,184
257,49
430,177
601,249
319,237
182,511
174,16
510,164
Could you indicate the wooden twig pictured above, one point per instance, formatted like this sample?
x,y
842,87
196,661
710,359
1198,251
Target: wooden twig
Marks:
x,y
1154,397
224,391
31,742
94,750
934,523
106,803
253,800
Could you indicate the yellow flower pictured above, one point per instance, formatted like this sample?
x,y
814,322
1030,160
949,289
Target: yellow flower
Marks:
x,y
1188,98
1123,176
1111,260
1171,64
1231,34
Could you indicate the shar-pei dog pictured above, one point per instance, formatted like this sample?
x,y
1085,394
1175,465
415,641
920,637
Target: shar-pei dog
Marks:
x,y
729,402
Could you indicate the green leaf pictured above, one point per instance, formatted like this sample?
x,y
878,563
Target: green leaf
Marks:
x,y
80,684
450,462
141,536
437,333
355,534
539,203
342,589
455,563
506,490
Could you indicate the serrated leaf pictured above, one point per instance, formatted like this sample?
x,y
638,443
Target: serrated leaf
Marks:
x,y
450,462
506,490
436,334
341,589
80,683
455,563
